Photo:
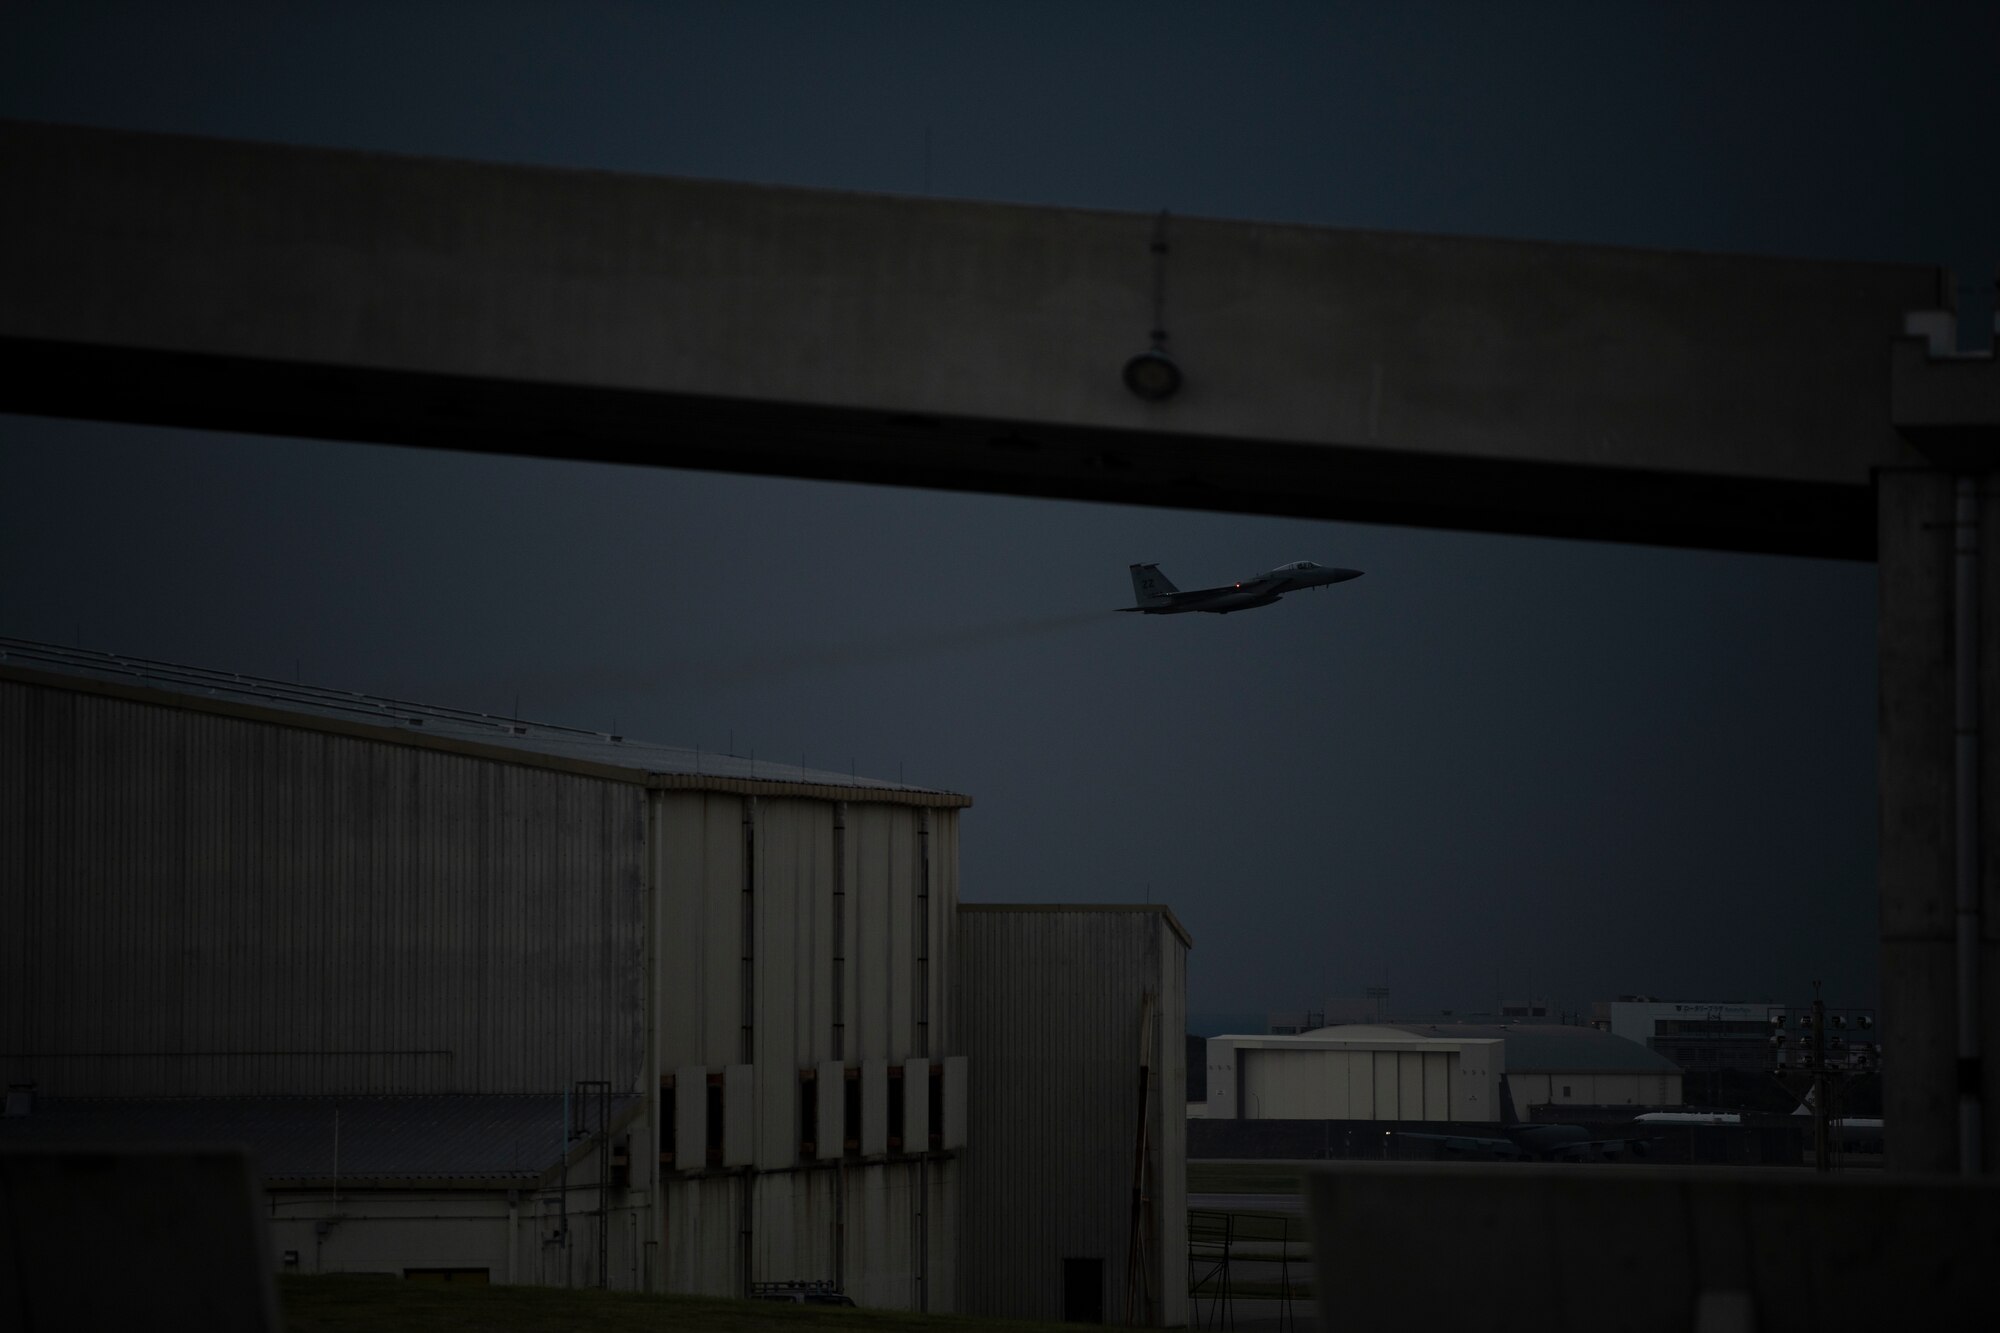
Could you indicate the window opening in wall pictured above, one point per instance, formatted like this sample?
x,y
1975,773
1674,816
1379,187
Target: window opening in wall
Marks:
x,y
936,1117
895,1108
714,1126
666,1120
621,1162
850,1114
808,1114
1565,1089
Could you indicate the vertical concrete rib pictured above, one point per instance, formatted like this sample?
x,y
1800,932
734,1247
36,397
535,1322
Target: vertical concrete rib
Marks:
x,y
1917,756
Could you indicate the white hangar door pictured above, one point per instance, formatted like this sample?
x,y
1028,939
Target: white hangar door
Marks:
x,y
1346,1084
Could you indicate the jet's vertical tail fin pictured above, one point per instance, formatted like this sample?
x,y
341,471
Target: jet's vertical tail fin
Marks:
x,y
1150,585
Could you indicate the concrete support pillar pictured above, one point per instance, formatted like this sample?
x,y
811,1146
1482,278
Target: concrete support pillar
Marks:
x,y
1915,649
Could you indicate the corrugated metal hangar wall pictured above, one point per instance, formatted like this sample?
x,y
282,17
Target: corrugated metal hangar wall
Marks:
x,y
1057,1123
218,897
199,904
482,942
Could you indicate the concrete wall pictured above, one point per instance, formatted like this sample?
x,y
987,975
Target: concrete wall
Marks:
x,y
100,1237
194,904
1052,1007
1563,1249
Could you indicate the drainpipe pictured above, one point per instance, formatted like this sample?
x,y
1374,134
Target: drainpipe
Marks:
x,y
1966,725
513,1231
656,1186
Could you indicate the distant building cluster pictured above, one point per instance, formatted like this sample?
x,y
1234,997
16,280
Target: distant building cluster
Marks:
x,y
1698,1036
1521,1059
1422,1071
1739,1036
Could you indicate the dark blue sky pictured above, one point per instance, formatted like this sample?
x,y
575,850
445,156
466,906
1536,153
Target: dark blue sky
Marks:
x,y
1493,765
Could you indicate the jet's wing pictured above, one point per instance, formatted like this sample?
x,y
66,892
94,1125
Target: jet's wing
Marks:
x,y
1195,595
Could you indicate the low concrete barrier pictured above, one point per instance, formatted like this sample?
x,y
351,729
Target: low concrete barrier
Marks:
x,y
1778,1143
132,1238
1555,1249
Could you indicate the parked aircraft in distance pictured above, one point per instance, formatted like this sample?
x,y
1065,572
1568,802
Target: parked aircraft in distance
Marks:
x,y
1521,1143
1157,596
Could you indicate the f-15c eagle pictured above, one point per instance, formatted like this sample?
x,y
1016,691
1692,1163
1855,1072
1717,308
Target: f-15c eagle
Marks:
x,y
1159,597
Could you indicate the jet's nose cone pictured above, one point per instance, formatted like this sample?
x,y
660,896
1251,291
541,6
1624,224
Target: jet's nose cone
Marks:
x,y
1343,575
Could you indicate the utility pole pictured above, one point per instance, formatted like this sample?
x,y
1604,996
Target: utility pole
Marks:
x,y
1825,1065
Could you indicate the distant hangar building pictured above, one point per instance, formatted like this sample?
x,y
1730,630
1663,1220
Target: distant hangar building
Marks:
x,y
503,1001
1359,1072
1462,1072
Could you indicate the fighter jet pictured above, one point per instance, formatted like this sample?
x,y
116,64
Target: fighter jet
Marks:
x,y
1159,597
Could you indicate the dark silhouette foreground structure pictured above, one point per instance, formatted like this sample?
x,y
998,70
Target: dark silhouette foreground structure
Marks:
x,y
1732,403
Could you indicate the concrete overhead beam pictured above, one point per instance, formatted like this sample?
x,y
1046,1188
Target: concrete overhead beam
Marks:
x,y
1490,385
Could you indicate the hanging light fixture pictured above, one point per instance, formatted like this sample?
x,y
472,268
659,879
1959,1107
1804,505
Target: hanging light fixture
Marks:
x,y
1152,374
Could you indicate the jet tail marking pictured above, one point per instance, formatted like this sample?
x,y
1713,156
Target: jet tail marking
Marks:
x,y
1149,585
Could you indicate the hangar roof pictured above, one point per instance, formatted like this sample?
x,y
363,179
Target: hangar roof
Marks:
x,y
431,726
1531,1048
382,1140
1554,1047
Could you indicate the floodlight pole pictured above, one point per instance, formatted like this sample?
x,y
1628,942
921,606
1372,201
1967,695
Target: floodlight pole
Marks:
x,y
1821,1158
1965,727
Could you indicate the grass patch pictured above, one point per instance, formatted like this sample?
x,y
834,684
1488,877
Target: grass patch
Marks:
x,y
1269,1291
1244,1177
392,1305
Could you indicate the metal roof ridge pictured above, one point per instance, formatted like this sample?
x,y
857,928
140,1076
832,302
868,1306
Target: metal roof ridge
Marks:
x,y
1161,908
380,718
